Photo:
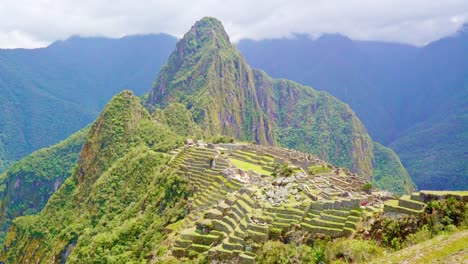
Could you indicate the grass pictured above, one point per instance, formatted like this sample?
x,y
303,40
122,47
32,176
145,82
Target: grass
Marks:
x,y
441,249
317,169
392,202
248,166
460,193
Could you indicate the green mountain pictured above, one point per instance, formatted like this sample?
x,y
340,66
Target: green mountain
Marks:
x,y
303,119
27,185
49,93
442,164
209,76
121,187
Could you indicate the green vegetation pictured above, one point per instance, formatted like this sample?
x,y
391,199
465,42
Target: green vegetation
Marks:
x,y
421,115
27,185
389,172
283,170
438,217
48,94
221,139
179,119
135,192
210,77
445,248
277,252
434,151
367,188
313,170
248,166
117,201
353,250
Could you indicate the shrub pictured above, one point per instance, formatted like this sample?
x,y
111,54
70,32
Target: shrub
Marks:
x,y
367,188
275,233
353,250
283,170
446,212
277,252
423,234
221,139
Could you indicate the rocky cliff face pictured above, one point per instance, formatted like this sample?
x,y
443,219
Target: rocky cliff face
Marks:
x,y
315,122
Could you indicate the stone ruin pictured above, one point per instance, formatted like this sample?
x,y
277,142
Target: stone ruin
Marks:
x,y
233,209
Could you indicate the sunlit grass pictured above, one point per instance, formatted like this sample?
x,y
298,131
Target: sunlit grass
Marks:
x,y
248,166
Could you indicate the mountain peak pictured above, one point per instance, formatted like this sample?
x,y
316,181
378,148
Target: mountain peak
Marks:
x,y
204,66
197,53
205,31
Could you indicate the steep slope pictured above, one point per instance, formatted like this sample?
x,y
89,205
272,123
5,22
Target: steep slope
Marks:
x,y
29,118
208,75
435,152
117,200
387,164
28,184
358,73
316,122
430,86
47,94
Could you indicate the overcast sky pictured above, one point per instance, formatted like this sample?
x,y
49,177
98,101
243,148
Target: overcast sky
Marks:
x,y
36,23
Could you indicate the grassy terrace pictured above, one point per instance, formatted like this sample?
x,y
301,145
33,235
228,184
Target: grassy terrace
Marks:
x,y
248,166
459,193
441,249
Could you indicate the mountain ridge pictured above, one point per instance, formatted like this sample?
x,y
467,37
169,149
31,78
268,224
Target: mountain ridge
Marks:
x,y
49,93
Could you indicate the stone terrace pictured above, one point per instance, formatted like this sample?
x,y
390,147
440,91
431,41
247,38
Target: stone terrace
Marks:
x,y
239,202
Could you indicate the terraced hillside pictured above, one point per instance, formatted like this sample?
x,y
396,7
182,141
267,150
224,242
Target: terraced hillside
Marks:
x,y
244,195
414,204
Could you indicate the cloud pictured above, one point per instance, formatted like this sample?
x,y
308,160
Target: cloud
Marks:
x,y
32,23
18,39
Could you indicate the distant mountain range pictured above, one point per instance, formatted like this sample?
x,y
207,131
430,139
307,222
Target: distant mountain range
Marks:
x,y
413,99
49,93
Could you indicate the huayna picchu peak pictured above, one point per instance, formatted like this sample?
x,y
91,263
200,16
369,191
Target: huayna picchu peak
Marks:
x,y
211,78
217,163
